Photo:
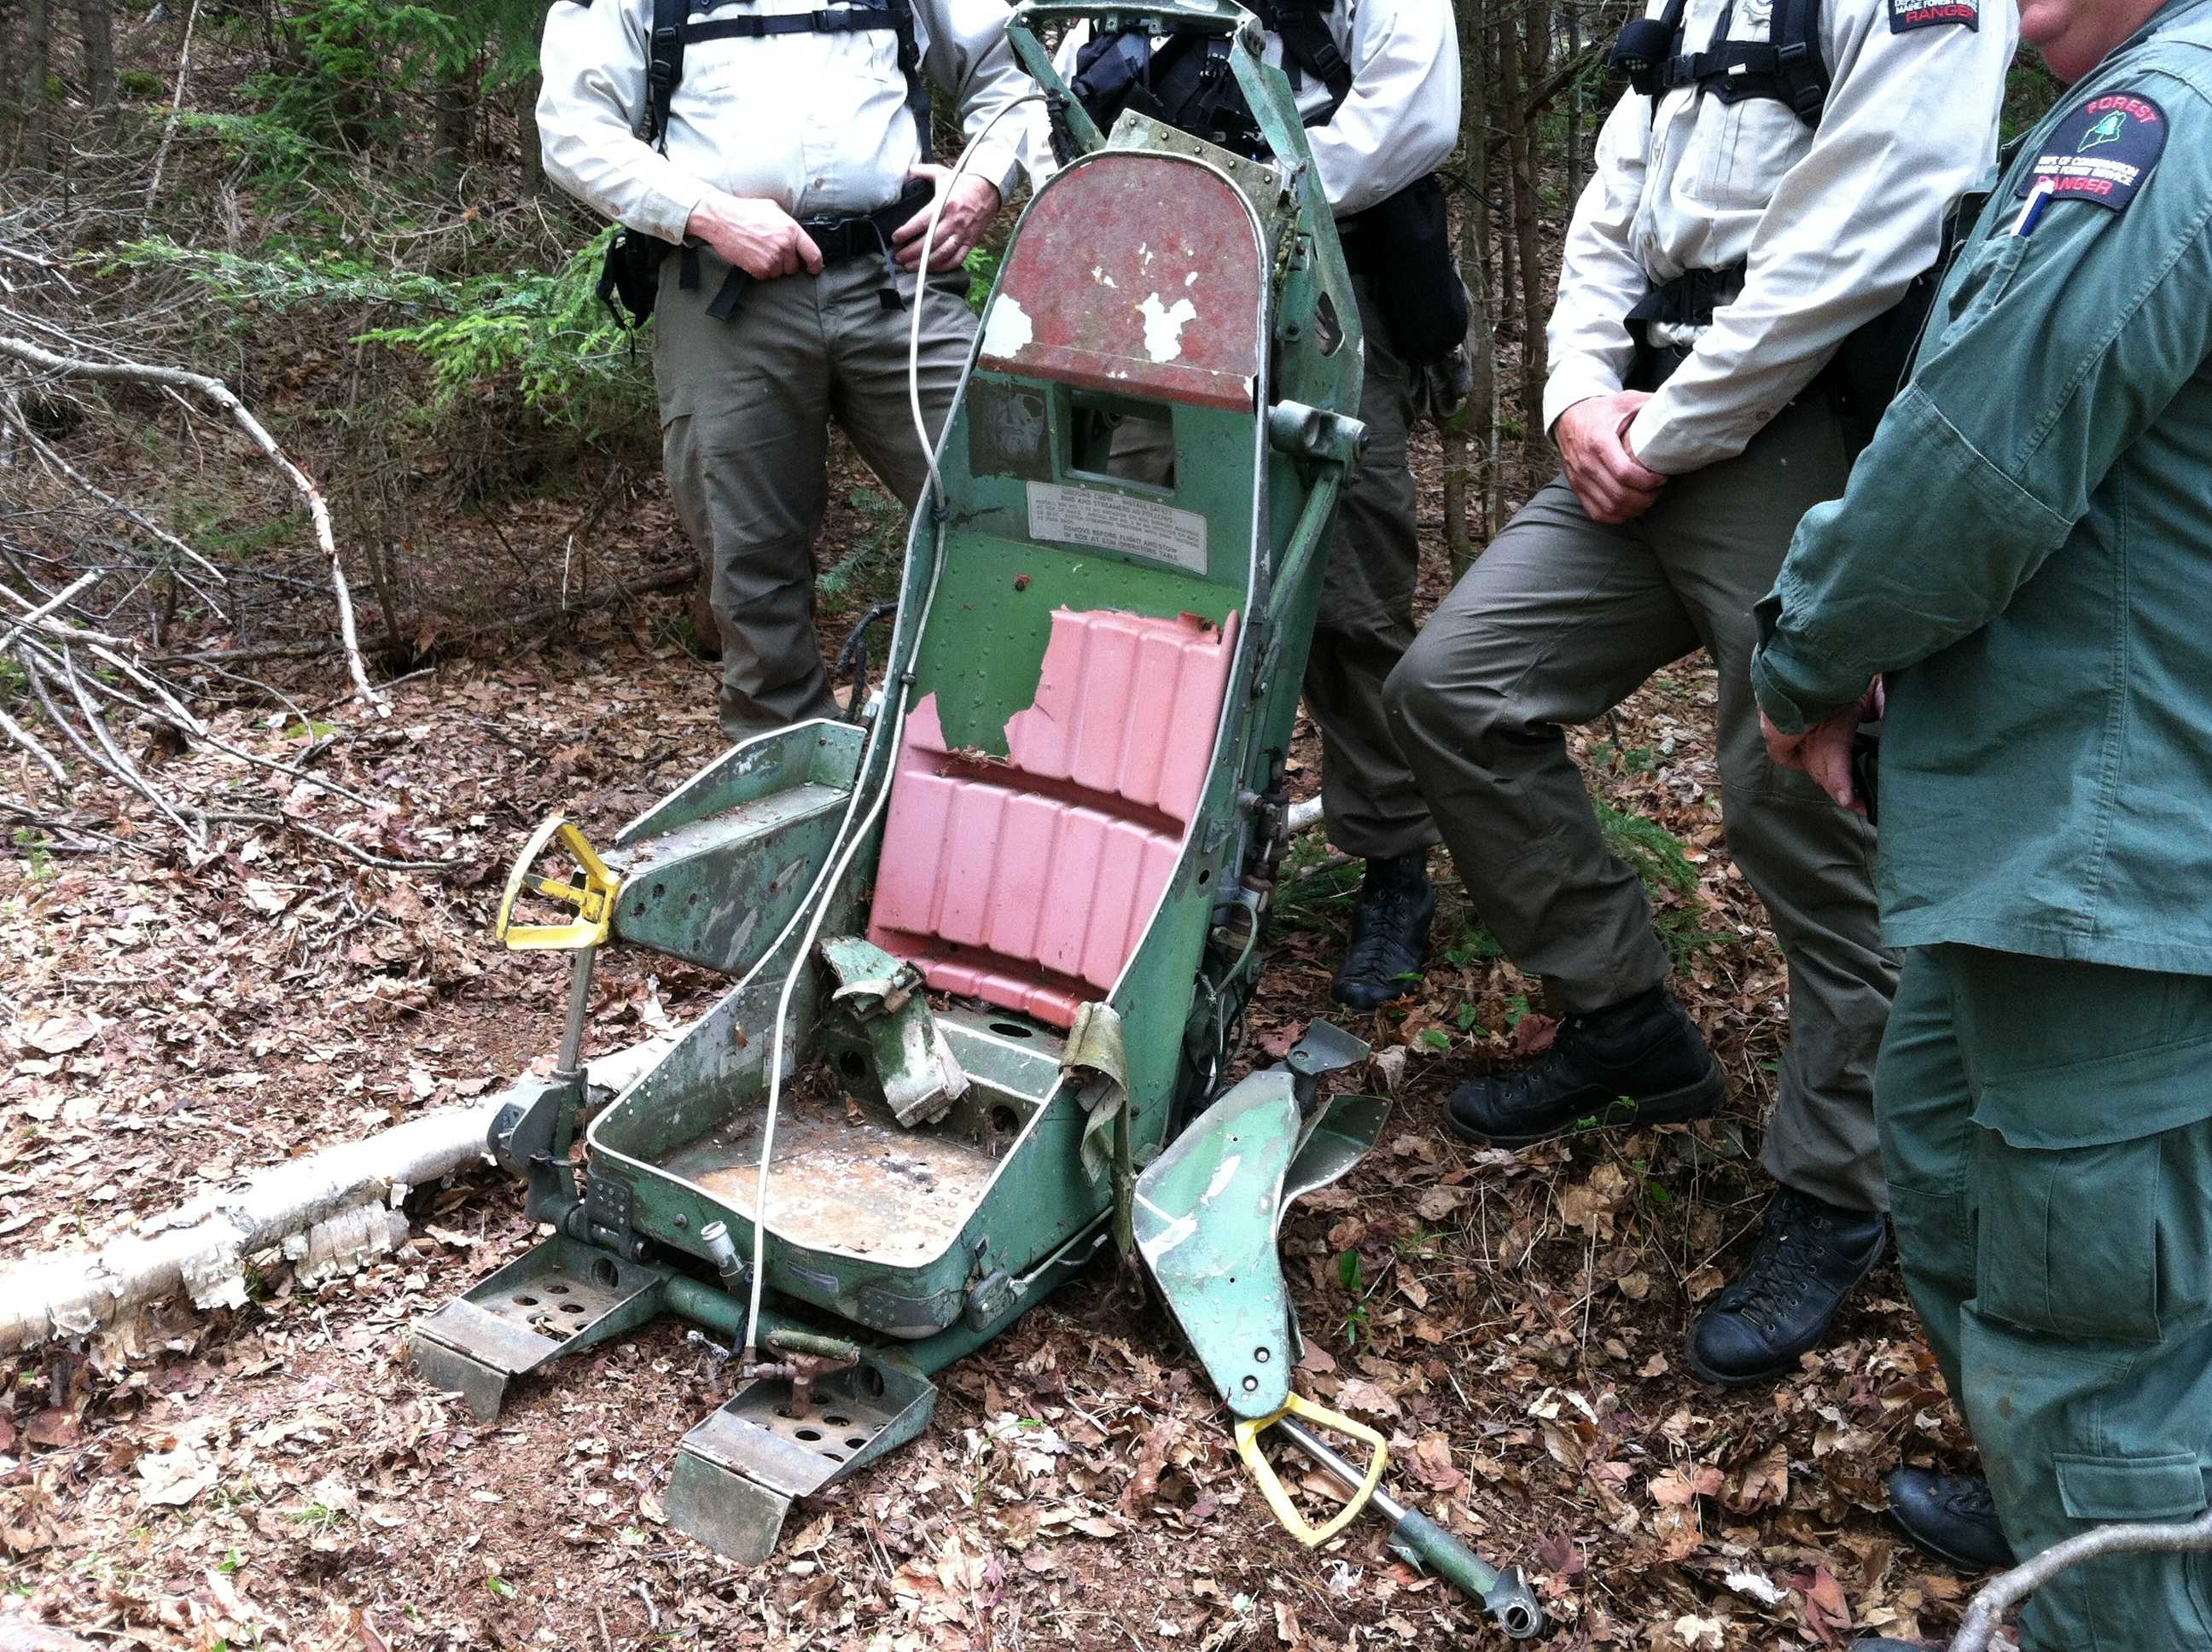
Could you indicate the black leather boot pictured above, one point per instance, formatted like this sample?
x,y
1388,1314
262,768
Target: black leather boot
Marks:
x,y
1951,1516
1641,1060
1389,931
1810,1255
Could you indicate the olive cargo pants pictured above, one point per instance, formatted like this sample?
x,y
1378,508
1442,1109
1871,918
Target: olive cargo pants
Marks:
x,y
745,408
2048,1130
1557,622
1372,807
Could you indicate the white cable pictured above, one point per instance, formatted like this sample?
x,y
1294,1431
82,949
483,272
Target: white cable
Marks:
x,y
818,896
921,286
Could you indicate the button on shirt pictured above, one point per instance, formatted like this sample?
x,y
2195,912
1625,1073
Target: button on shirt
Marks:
x,y
2025,550
817,122
1834,221
1399,122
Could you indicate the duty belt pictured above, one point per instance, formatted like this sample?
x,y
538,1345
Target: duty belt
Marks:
x,y
1688,300
841,240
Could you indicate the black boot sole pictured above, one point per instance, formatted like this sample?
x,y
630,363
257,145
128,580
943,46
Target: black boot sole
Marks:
x,y
1707,1374
1700,1100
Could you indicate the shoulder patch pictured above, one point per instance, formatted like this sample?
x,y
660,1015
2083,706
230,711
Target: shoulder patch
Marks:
x,y
2101,151
1928,13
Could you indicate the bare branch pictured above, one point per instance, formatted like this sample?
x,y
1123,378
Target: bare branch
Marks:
x,y
68,596
318,511
2008,1589
45,451
176,109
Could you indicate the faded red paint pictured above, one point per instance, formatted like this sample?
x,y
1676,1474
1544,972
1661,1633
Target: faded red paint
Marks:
x,y
1112,232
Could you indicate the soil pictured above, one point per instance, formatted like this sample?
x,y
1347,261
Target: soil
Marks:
x,y
277,1476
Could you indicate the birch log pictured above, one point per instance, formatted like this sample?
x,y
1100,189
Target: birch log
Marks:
x,y
323,1210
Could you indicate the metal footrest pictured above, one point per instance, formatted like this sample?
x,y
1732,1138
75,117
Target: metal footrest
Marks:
x,y
738,1472
560,1297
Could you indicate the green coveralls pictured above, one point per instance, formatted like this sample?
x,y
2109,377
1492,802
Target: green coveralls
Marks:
x,y
2026,552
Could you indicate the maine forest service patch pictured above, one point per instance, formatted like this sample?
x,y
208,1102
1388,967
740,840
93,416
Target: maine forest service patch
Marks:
x,y
2101,151
1927,14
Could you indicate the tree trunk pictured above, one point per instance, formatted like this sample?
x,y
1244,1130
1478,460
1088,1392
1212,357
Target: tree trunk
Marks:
x,y
1505,77
1534,43
527,138
1467,438
96,20
456,117
37,109
1574,110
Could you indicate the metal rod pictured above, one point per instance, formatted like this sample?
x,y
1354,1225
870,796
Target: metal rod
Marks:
x,y
580,1005
1306,1440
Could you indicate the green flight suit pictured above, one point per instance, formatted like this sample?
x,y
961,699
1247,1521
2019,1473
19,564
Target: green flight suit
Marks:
x,y
2025,551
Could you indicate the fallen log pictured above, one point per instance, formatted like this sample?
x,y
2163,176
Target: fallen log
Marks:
x,y
325,1211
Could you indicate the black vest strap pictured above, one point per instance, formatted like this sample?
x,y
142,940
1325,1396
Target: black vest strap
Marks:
x,y
917,89
845,20
1788,66
663,67
672,31
1303,27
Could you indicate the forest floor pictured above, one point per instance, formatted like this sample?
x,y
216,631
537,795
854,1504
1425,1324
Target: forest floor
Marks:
x,y
277,1476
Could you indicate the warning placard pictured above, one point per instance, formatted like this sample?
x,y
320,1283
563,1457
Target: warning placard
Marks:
x,y
1111,521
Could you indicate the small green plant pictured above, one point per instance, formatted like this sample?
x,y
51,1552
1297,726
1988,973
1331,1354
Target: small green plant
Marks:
x,y
33,843
982,268
875,549
1351,1274
316,1517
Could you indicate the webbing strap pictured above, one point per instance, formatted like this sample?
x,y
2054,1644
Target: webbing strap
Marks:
x,y
1303,27
1787,66
671,32
846,20
917,89
663,67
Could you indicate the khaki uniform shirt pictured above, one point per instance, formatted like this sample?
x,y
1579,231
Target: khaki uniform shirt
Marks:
x,y
817,123
1833,220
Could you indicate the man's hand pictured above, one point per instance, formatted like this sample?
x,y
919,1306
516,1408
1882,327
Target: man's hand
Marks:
x,y
758,237
1593,442
1824,750
970,207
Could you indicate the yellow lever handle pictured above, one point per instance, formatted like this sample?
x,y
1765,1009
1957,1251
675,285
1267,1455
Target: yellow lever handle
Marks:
x,y
594,902
1249,1431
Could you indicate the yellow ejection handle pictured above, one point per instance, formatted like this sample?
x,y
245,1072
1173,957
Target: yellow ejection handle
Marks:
x,y
594,902
1249,1431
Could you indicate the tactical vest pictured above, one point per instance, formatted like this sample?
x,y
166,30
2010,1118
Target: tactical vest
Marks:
x,y
1788,66
631,271
1189,84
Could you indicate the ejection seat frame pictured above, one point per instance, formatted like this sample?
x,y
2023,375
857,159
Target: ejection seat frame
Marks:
x,y
992,947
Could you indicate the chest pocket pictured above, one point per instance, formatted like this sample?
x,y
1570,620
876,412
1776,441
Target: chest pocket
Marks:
x,y
1739,151
780,67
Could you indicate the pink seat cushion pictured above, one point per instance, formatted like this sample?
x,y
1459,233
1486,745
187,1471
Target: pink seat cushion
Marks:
x,y
1028,882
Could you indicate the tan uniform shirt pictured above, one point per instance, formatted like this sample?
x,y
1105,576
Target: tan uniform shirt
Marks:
x,y
817,123
1400,119
1834,221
